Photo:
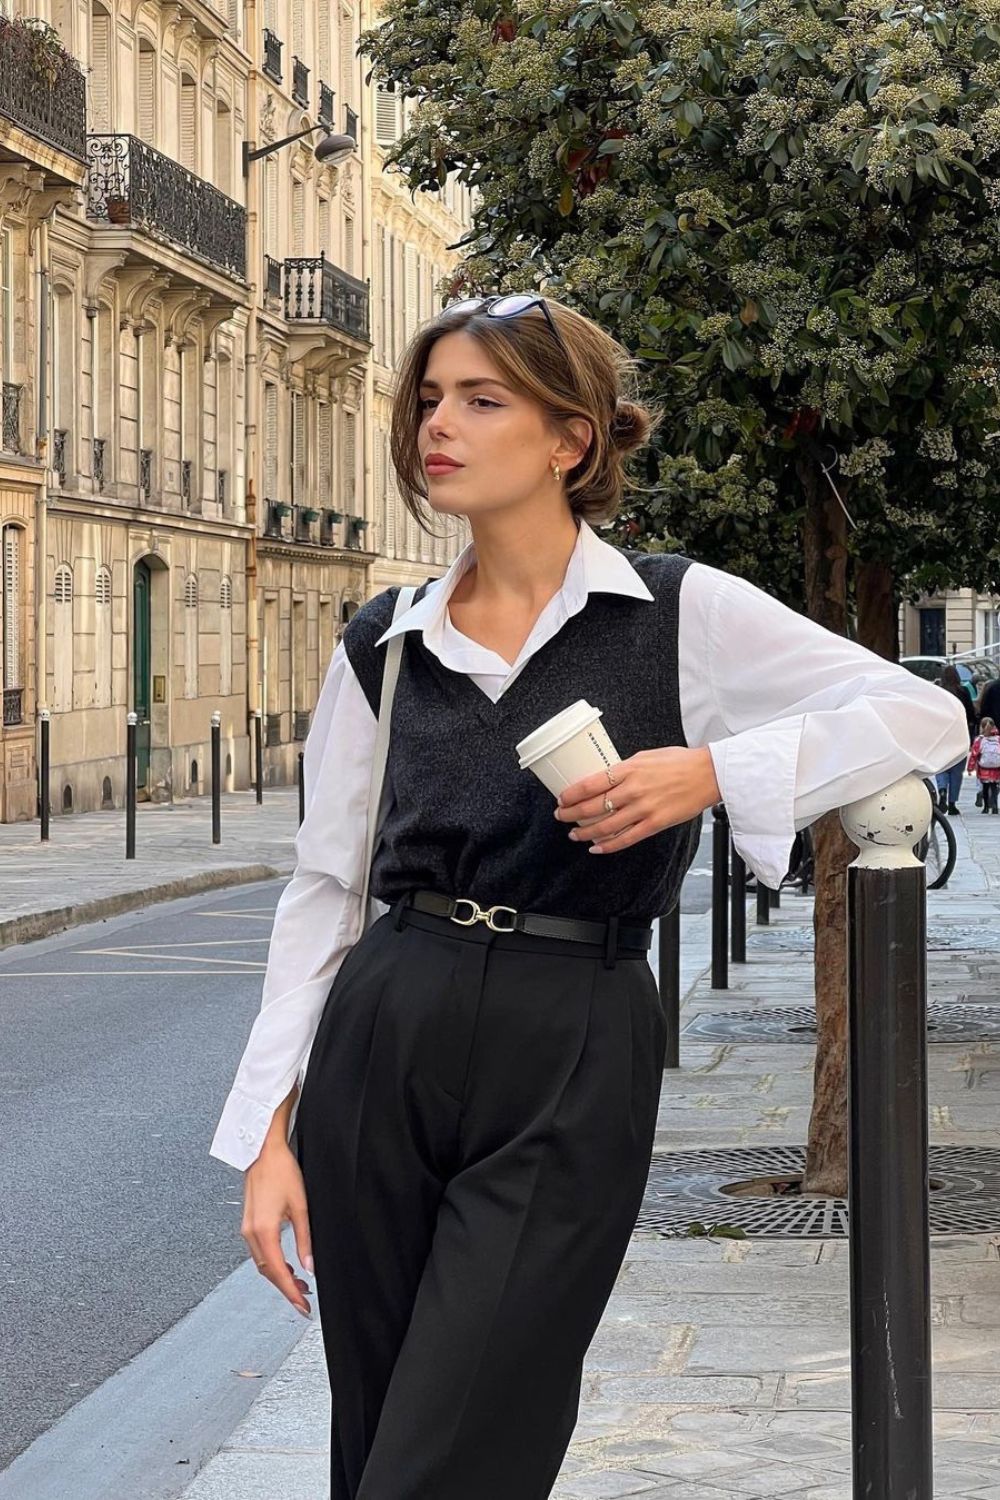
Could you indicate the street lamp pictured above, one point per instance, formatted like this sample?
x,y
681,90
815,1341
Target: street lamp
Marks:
x,y
332,148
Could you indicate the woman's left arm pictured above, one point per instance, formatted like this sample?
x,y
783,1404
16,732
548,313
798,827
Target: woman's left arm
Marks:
x,y
784,721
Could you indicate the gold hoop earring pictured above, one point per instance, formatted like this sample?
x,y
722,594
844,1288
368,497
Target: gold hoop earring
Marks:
x,y
557,471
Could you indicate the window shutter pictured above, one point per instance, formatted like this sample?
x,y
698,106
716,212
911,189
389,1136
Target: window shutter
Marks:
x,y
270,441
349,244
325,445
189,126
387,352
323,210
298,29
12,607
147,93
323,40
349,454
410,294
298,447
298,216
346,61
391,501
386,111
100,71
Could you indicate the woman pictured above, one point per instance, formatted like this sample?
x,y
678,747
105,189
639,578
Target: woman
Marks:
x,y
949,782
476,1121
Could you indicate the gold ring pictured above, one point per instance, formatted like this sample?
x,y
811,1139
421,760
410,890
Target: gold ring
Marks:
x,y
609,806
260,1264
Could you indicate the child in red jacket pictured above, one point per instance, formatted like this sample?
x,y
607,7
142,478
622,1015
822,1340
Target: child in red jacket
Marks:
x,y
984,759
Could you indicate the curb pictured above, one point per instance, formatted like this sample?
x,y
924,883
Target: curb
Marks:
x,y
33,925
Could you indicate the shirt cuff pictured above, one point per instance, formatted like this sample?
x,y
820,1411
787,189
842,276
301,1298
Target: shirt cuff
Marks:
x,y
756,776
242,1127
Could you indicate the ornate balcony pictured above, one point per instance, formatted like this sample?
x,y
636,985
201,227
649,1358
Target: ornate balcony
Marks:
x,y
272,276
300,83
326,106
11,416
272,56
42,88
13,706
134,185
316,291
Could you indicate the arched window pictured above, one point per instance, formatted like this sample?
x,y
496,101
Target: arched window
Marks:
x,y
63,639
191,592
102,638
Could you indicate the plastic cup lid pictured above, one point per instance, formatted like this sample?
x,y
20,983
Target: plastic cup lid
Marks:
x,y
556,731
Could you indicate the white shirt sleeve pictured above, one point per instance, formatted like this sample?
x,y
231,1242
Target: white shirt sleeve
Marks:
x,y
317,920
798,720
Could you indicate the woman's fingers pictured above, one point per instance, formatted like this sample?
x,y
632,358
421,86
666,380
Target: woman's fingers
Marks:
x,y
278,1271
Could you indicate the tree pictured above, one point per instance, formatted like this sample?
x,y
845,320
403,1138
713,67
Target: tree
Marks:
x,y
790,211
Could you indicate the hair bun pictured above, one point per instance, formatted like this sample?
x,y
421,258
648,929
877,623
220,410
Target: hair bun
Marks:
x,y
630,425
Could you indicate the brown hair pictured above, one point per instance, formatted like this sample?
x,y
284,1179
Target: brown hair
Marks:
x,y
598,383
987,726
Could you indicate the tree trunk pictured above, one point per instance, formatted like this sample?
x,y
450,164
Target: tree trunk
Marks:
x,y
825,553
878,608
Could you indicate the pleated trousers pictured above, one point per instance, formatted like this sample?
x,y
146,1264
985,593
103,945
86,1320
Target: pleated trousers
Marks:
x,y
475,1132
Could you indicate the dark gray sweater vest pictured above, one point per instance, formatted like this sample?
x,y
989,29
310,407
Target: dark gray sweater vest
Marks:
x,y
466,820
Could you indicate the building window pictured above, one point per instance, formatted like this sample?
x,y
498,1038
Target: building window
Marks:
x,y
6,305
147,93
988,631
270,442
189,122
298,464
932,629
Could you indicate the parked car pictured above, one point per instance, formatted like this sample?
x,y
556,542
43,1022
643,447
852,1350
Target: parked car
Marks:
x,y
974,671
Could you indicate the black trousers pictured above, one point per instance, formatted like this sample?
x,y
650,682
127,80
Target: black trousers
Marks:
x,y
990,792
475,1131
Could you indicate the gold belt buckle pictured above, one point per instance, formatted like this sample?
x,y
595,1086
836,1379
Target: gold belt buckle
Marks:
x,y
483,914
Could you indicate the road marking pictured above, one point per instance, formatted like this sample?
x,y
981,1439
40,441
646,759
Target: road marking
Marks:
x,y
178,958
102,973
264,915
134,949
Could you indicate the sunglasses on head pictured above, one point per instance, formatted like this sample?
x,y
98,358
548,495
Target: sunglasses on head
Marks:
x,y
508,307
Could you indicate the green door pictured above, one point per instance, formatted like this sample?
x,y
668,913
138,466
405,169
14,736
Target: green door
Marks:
x,y
140,670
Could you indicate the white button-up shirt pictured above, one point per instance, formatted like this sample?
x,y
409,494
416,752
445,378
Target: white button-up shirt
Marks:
x,y
797,721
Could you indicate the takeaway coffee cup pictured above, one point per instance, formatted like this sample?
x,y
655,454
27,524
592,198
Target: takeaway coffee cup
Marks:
x,y
565,748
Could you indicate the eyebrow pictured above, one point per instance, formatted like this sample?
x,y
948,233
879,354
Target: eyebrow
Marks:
x,y
464,385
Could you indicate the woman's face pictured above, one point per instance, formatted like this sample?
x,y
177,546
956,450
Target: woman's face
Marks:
x,y
499,436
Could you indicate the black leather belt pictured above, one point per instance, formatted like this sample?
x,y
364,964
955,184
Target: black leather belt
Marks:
x,y
505,919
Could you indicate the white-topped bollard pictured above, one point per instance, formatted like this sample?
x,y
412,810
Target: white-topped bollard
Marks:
x,y
889,1188
216,777
130,774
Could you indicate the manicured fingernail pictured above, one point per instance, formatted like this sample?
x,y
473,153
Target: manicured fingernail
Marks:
x,y
573,834
307,1261
596,849
302,1310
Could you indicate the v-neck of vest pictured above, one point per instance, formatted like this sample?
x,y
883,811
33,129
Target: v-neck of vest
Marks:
x,y
486,708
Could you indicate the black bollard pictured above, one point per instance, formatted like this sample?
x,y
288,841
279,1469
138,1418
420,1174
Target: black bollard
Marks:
x,y
216,778
670,983
738,936
763,904
258,753
130,787
775,900
890,1246
302,787
720,897
44,799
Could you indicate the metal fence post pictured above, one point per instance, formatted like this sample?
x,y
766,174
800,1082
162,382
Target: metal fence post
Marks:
x,y
130,772
217,777
738,935
670,983
258,754
890,1246
302,787
44,799
775,899
720,897
763,904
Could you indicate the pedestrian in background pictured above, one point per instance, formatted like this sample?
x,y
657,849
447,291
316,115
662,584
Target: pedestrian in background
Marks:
x,y
949,782
984,759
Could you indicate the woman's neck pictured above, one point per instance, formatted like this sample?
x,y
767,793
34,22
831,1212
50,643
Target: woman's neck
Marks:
x,y
517,561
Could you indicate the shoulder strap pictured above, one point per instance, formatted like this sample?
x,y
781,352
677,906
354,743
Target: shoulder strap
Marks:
x,y
393,657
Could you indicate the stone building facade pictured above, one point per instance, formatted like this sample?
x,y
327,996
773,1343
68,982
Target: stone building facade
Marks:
x,y
196,342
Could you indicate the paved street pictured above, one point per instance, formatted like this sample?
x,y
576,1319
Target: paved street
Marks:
x,y
720,1371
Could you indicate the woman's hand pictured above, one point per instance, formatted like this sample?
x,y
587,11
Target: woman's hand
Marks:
x,y
652,790
273,1192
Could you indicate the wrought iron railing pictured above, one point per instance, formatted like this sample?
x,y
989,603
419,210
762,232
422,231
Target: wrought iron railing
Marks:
x,y
187,468
351,122
131,183
326,106
300,725
59,436
272,275
272,729
300,82
316,291
12,417
145,472
13,706
100,448
42,90
272,55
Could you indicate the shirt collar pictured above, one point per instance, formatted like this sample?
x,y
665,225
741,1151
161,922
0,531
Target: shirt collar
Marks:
x,y
594,567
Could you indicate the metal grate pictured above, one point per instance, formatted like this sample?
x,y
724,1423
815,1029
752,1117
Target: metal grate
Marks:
x,y
688,1187
300,82
272,56
947,1021
326,97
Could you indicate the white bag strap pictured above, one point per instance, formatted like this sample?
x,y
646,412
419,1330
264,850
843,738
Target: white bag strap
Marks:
x,y
376,810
